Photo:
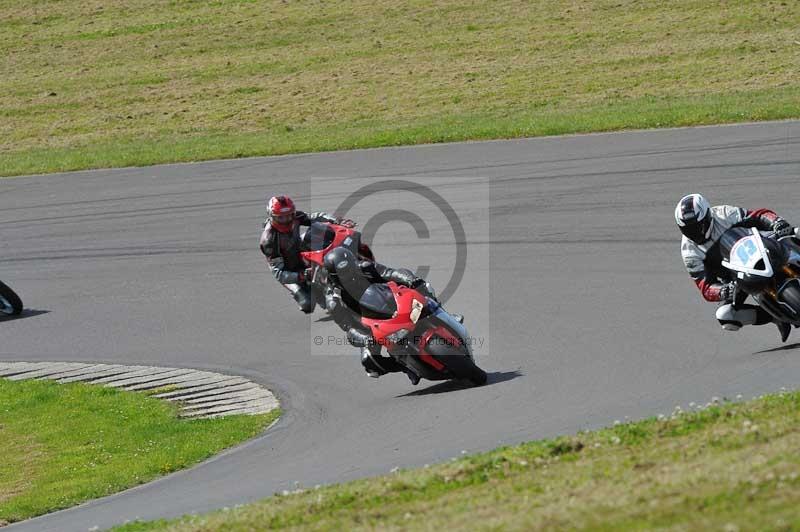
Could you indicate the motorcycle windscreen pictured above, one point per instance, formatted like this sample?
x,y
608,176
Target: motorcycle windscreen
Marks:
x,y
729,239
378,302
318,237
748,255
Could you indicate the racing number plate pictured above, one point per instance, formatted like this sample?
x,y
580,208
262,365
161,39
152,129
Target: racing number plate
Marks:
x,y
416,310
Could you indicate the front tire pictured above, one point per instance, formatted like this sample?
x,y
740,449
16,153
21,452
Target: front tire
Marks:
x,y
458,363
10,303
790,295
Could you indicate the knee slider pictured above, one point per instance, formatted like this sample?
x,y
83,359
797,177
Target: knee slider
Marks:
x,y
728,319
733,320
726,313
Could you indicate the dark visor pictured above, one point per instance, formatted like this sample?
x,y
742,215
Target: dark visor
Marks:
x,y
696,230
282,218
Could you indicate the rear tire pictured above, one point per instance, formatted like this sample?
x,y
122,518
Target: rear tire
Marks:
x,y
458,363
10,303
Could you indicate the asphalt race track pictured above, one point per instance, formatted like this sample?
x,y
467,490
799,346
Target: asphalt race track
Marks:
x,y
593,318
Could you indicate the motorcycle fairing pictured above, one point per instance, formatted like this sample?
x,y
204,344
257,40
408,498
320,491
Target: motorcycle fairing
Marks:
x,y
403,298
788,309
457,329
794,256
320,238
409,302
378,302
747,254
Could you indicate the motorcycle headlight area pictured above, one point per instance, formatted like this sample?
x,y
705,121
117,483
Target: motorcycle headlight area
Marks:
x,y
398,336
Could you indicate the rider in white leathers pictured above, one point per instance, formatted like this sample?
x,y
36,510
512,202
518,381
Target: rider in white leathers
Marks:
x,y
702,226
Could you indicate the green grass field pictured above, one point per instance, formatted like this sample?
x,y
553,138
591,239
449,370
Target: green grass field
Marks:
x,y
90,84
62,444
727,467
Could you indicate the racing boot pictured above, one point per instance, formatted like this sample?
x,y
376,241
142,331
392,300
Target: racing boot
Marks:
x,y
458,317
371,366
413,377
784,328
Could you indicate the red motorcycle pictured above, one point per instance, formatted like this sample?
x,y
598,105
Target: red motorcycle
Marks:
x,y
320,238
418,333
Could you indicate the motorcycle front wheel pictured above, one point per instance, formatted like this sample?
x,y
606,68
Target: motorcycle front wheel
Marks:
x,y
10,303
458,363
790,296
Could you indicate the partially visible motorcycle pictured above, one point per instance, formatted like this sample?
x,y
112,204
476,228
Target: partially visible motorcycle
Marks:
x,y
419,333
10,303
318,240
765,268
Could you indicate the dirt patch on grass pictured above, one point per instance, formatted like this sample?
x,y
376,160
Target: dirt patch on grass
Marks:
x,y
22,457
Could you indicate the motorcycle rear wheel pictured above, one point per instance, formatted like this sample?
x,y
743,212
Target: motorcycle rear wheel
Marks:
x,y
10,303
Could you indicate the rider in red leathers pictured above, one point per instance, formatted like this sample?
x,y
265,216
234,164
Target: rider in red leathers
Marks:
x,y
280,244
348,280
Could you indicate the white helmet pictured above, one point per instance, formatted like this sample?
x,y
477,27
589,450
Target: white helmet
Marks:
x,y
694,219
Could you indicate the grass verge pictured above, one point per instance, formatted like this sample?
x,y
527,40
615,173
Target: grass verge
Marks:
x,y
726,467
63,444
97,84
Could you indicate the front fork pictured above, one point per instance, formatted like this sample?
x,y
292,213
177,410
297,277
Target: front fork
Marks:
x,y
768,297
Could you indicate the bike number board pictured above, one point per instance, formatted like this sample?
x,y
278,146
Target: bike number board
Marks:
x,y
416,310
745,253
745,256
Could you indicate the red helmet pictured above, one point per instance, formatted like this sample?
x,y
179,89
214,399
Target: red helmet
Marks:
x,y
280,210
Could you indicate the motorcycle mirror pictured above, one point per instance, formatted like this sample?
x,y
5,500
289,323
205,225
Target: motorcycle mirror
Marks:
x,y
429,288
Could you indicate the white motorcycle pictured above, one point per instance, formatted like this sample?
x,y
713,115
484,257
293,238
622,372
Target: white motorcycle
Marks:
x,y
766,269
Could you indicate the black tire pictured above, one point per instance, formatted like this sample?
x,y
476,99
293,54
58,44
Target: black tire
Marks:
x,y
10,303
791,296
458,363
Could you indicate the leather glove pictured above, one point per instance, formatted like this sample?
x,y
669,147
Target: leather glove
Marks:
x,y
346,222
404,277
726,292
425,288
782,228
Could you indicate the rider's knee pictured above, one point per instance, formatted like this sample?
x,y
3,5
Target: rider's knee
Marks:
x,y
727,318
731,319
